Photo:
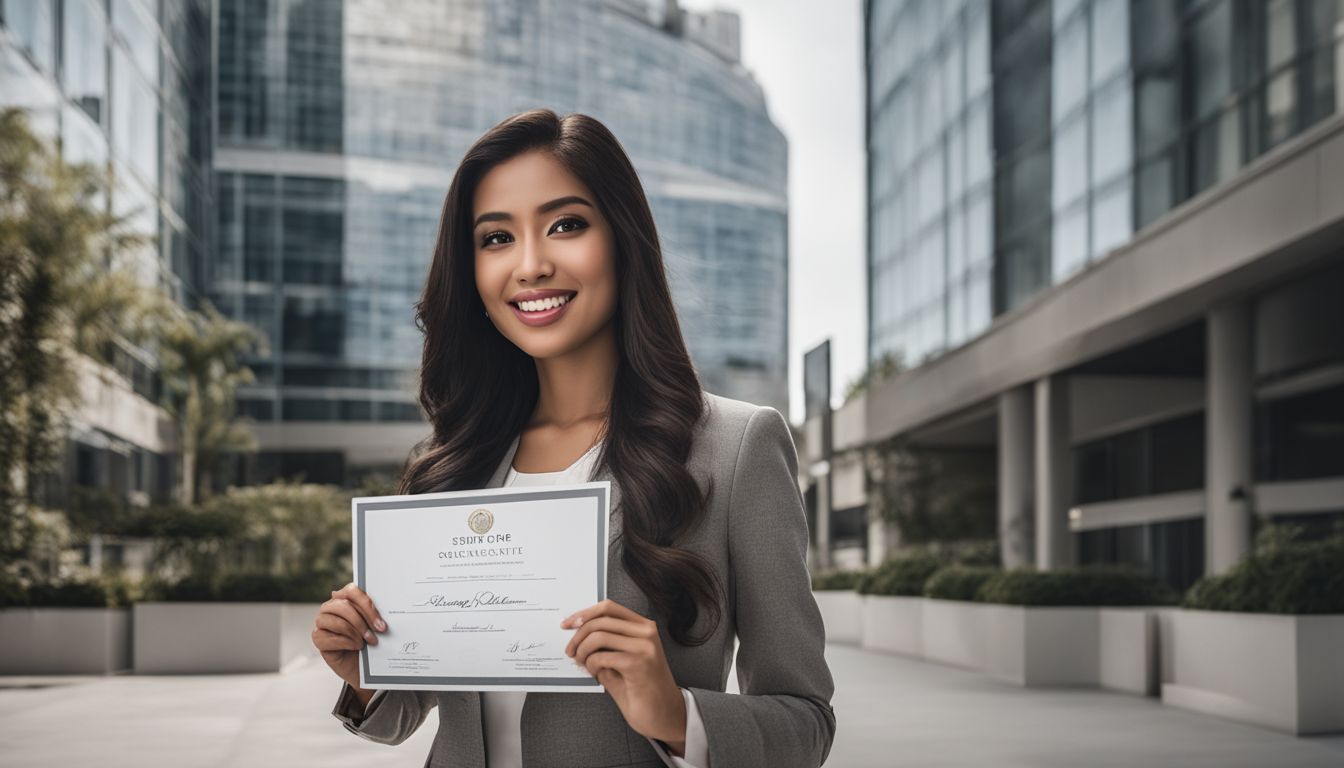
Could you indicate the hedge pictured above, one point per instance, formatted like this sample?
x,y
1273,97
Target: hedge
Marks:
x,y
1293,578
835,580
70,593
1088,586
958,582
247,588
899,576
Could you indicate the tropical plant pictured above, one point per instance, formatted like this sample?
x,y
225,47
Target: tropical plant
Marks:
x,y
68,294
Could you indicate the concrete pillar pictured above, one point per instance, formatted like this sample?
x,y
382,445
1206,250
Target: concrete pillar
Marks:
x,y
824,555
1016,478
1227,437
1054,474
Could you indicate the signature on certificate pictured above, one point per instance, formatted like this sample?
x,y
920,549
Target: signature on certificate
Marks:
x,y
517,646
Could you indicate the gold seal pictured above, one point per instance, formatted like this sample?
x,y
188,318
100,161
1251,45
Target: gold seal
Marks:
x,y
481,520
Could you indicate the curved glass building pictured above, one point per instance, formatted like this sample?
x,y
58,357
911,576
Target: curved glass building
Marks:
x,y
339,125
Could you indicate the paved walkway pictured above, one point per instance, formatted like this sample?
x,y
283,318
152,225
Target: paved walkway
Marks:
x,y
892,711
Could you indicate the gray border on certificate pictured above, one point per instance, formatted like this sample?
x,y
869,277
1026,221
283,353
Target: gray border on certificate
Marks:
x,y
600,494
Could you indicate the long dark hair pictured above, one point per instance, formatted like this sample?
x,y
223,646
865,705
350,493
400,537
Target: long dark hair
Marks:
x,y
479,390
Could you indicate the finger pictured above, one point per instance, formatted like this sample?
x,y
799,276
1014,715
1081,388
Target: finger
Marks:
x,y
612,660
605,608
347,611
607,641
335,623
607,623
364,604
326,640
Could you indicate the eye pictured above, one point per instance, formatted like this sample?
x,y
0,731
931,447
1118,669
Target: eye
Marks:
x,y
485,241
569,220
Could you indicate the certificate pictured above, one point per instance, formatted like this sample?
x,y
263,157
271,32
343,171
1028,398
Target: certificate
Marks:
x,y
473,585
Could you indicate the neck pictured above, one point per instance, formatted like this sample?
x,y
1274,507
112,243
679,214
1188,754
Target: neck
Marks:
x,y
577,386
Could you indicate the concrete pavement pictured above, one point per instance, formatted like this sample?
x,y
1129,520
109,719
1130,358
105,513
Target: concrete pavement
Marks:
x,y
891,711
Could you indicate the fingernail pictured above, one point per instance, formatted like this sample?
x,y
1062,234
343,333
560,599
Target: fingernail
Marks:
x,y
578,621
372,638
380,624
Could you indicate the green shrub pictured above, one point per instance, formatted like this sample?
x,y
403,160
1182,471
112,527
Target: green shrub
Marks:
x,y
958,582
902,575
68,593
1075,587
247,588
836,580
1283,576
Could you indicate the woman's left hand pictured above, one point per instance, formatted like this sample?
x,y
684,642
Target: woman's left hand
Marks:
x,y
623,651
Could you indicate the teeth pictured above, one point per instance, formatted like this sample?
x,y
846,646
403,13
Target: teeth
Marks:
x,y
542,304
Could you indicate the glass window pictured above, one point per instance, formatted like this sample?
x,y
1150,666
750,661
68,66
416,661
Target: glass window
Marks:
x,y
1110,38
33,23
1070,242
1069,168
1279,113
979,146
1217,150
1111,218
84,51
1157,32
1112,133
141,36
1211,57
135,119
1280,33
1156,188
977,52
1301,437
1070,68
1159,117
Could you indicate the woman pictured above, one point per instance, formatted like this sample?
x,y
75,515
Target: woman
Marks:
x,y
552,350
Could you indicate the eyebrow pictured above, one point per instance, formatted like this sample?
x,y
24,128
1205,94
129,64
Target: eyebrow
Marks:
x,y
543,208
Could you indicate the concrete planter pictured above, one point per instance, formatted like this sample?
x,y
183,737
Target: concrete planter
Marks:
x,y
1281,671
842,613
1022,645
64,641
1127,650
893,624
199,638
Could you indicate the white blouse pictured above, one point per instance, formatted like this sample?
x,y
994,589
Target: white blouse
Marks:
x,y
502,710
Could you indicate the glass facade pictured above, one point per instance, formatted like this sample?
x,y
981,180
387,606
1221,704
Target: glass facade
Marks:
x,y
123,85
1104,115
339,125
930,154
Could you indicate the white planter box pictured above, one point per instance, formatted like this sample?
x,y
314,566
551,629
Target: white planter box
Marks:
x,y
842,613
199,638
893,624
1281,671
1127,652
1023,645
64,641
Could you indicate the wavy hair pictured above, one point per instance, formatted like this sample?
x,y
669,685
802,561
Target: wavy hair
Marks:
x,y
479,390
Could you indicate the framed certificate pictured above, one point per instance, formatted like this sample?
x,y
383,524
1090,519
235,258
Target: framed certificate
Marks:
x,y
473,585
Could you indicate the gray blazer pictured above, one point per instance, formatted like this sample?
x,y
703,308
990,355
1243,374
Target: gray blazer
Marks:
x,y
755,536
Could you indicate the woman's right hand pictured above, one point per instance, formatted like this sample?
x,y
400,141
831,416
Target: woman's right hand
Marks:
x,y
344,624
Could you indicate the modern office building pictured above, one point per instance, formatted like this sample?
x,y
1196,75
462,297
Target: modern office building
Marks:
x,y
123,85
1106,239
339,125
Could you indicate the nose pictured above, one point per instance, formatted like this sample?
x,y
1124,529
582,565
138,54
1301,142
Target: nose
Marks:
x,y
534,263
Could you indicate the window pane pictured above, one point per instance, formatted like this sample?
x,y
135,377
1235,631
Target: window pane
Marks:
x,y
84,50
1070,163
1110,218
1111,133
1070,68
1110,38
1211,54
1070,242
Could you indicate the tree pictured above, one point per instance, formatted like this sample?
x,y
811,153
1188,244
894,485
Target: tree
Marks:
x,y
199,361
933,494
65,290
889,364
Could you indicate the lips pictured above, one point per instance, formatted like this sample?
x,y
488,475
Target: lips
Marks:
x,y
544,316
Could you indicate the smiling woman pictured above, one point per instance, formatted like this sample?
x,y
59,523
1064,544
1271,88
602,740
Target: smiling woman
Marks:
x,y
553,353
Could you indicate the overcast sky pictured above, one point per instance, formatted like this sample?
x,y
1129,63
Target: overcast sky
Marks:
x,y
808,57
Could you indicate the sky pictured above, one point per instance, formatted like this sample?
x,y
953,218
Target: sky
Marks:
x,y
808,58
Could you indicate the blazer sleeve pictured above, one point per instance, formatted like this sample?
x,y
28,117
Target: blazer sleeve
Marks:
x,y
783,716
392,715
